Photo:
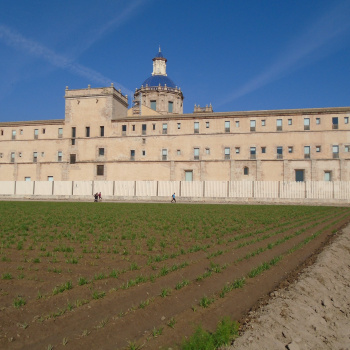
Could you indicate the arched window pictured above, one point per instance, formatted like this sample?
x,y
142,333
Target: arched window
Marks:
x,y
246,170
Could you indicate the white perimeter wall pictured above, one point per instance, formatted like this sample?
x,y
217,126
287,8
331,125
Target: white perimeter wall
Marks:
x,y
7,187
322,190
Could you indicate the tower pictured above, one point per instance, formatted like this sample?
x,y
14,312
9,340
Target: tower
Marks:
x,y
158,93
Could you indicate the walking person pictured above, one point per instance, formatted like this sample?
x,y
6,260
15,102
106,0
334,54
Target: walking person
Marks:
x,y
173,200
100,197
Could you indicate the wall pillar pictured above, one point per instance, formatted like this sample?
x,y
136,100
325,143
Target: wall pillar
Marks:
x,y
258,176
172,171
232,170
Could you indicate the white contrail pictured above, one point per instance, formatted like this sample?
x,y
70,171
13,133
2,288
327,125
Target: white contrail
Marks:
x,y
321,33
114,23
19,42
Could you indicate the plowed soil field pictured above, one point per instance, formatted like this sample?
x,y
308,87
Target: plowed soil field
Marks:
x,y
118,276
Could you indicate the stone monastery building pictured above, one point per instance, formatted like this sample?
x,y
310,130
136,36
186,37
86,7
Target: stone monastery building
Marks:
x,y
101,139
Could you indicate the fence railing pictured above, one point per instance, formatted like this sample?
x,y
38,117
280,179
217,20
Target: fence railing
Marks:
x,y
322,190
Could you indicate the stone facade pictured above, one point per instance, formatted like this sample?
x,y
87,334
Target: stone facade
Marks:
x,y
99,139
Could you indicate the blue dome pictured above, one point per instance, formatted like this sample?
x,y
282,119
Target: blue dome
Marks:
x,y
159,54
155,80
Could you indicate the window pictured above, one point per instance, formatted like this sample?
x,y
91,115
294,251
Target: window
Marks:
x,y
178,152
170,107
20,154
188,175
59,156
207,151
100,170
132,154
306,123
12,157
299,175
154,105
335,149
35,157
179,125
60,132
347,148
327,175
36,133
306,152
102,131
154,126
252,152
27,178
252,125
133,127
290,121
43,154
87,131
73,142
346,120
237,150
143,141
144,129
263,122
227,126
50,178
165,128
1,155
318,149
279,124
143,152
237,123
43,131
290,149
124,129
196,127
227,153
164,154
101,152
263,149
335,123
74,130
207,125
318,121
21,131
72,158
2,132
279,152
196,153
13,134
245,170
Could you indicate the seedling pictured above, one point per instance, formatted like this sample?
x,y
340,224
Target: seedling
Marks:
x,y
172,322
157,332
98,295
165,292
7,276
18,302
205,302
181,284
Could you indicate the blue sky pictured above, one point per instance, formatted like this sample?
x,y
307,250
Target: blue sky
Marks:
x,y
237,55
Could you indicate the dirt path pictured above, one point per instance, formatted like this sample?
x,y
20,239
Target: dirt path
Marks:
x,y
311,313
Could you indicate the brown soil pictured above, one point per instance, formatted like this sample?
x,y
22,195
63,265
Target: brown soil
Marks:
x,y
117,318
310,311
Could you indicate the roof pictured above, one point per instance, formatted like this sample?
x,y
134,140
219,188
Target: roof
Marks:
x,y
156,80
